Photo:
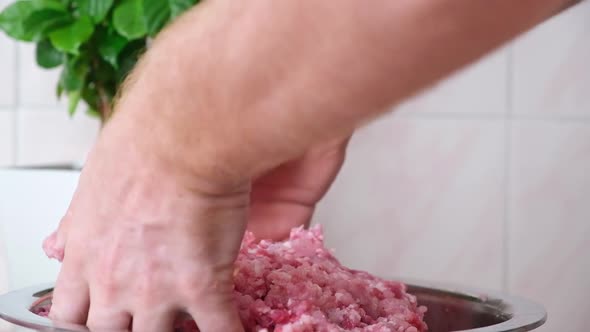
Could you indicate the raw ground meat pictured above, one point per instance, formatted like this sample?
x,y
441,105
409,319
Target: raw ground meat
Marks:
x,y
299,286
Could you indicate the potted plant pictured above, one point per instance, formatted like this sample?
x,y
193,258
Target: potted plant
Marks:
x,y
95,42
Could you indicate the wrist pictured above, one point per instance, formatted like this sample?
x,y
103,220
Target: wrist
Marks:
x,y
149,142
144,187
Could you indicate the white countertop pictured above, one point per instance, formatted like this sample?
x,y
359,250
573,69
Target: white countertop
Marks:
x,y
31,204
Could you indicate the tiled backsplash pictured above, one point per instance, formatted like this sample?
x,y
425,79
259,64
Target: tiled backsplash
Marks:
x,y
422,198
484,180
551,67
34,126
549,214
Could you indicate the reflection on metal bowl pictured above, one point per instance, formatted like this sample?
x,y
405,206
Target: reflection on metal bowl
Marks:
x,y
450,309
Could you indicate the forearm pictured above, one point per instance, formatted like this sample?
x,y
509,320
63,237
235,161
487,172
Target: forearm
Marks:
x,y
270,78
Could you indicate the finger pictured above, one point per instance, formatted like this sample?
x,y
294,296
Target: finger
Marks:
x,y
304,180
216,313
54,245
158,320
107,318
286,197
70,296
319,168
273,220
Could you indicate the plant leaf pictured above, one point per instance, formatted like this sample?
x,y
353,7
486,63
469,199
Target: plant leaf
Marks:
x,y
41,22
70,37
97,10
12,18
102,72
128,19
48,4
73,101
90,96
157,14
128,58
74,74
47,56
59,89
111,46
178,7
93,113
110,90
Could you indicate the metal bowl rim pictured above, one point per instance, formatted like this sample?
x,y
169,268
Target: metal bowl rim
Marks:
x,y
524,313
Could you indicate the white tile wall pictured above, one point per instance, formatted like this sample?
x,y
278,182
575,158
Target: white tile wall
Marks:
x,y
49,136
34,126
552,66
477,90
7,69
7,138
421,198
7,88
549,214
37,86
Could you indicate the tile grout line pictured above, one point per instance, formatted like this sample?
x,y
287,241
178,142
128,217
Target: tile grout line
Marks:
x,y
32,108
548,118
454,116
507,160
583,119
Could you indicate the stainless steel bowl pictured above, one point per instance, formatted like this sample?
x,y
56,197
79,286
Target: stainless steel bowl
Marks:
x,y
450,309
453,309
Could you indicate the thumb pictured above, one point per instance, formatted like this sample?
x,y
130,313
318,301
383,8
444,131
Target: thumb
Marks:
x,y
52,248
54,245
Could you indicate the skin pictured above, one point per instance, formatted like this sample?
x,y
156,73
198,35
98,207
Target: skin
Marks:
x,y
239,114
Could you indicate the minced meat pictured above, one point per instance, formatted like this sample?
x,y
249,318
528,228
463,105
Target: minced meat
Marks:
x,y
299,286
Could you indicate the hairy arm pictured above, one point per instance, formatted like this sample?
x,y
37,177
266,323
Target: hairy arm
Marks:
x,y
270,78
226,94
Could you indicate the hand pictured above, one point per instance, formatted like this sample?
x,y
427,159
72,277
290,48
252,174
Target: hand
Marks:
x,y
139,250
286,197
142,242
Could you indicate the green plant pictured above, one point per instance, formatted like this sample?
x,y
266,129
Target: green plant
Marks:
x,y
96,42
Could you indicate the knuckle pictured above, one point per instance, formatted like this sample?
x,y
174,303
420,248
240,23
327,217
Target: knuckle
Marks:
x,y
107,273
108,286
152,284
194,287
108,321
146,285
193,283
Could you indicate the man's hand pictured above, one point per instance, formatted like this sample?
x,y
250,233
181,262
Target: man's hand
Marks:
x,y
141,242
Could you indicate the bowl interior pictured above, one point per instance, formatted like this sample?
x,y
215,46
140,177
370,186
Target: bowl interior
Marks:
x,y
449,312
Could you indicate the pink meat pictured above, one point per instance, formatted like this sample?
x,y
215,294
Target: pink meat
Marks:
x,y
52,250
299,286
